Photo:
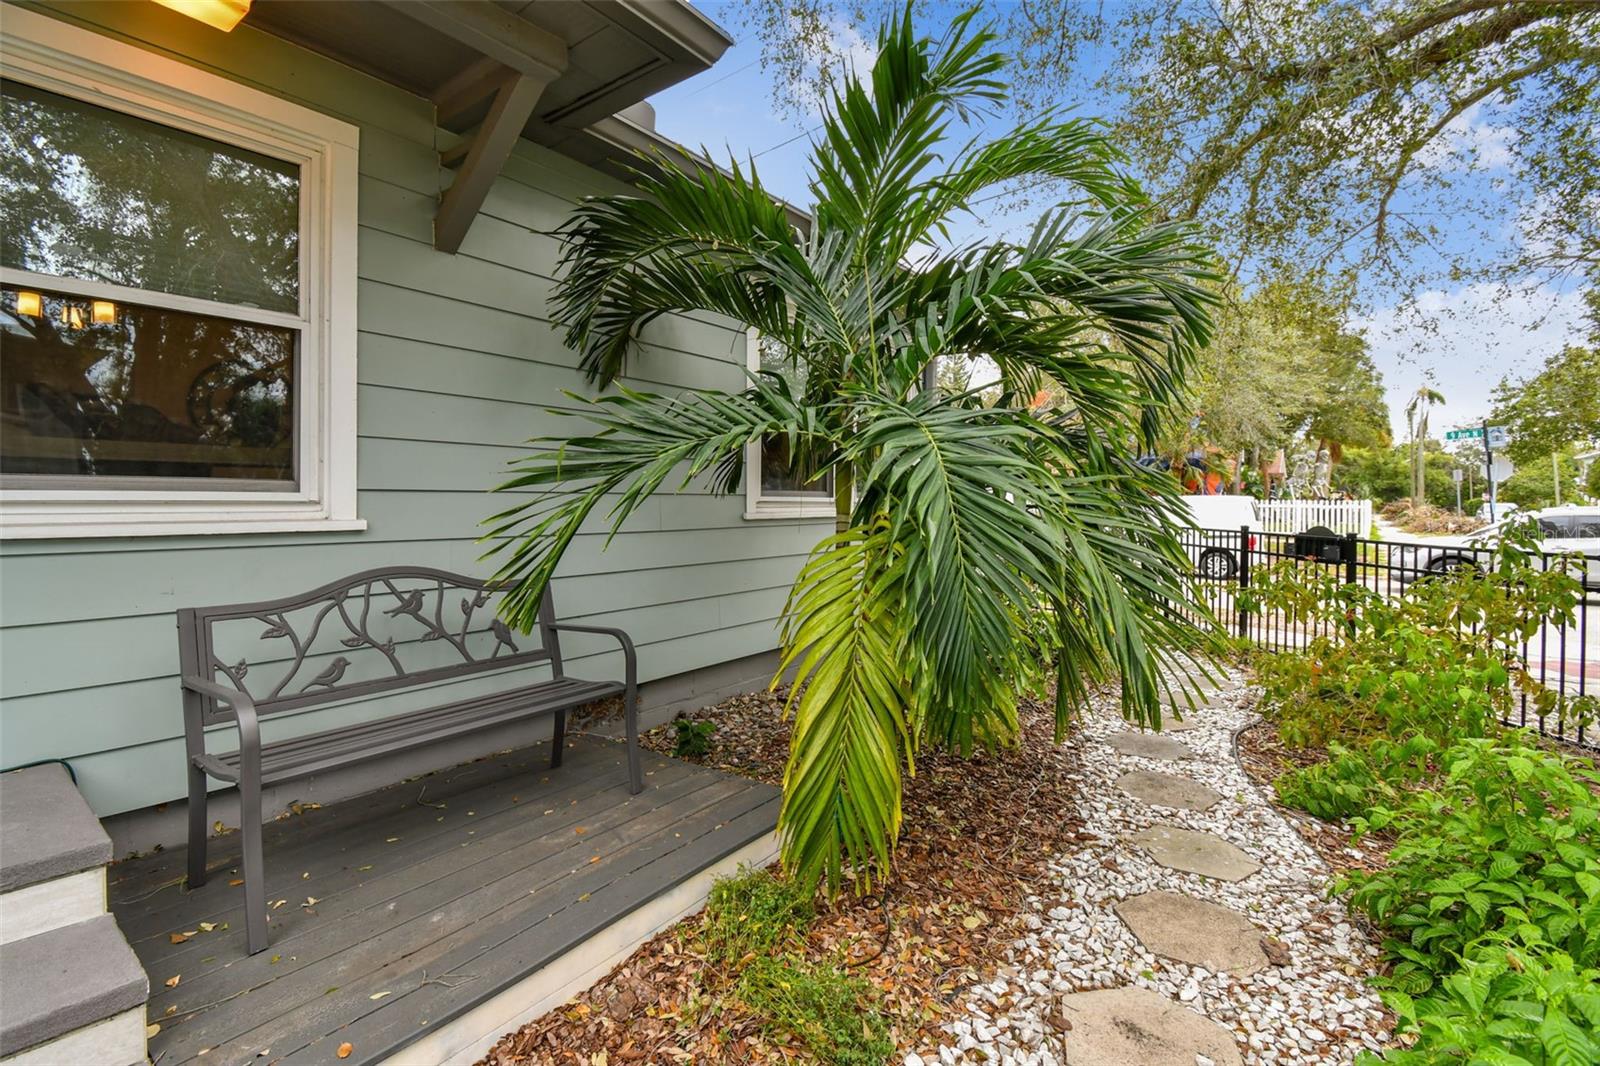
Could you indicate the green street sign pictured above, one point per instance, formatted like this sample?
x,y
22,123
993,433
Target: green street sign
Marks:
x,y
1474,433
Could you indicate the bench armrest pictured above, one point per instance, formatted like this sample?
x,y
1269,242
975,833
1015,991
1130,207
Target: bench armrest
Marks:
x,y
629,657
240,703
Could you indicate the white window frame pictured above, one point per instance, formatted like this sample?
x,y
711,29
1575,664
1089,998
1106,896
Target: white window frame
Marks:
x,y
66,59
757,505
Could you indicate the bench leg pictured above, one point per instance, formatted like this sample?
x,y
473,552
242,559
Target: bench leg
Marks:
x,y
558,739
197,826
255,885
630,715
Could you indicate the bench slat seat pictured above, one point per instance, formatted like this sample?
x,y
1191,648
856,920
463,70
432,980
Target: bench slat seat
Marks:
x,y
313,753
410,631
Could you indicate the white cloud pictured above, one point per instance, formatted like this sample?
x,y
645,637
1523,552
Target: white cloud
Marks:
x,y
1464,341
844,51
1469,143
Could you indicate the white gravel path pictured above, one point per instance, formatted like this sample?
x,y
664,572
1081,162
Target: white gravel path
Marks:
x,y
1314,1009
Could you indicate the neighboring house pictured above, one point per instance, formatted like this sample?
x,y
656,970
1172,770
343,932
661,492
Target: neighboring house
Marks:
x,y
275,310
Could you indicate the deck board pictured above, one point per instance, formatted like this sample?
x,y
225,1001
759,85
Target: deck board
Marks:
x,y
437,908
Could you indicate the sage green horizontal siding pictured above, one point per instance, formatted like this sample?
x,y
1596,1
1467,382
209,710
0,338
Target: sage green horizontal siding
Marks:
x,y
458,362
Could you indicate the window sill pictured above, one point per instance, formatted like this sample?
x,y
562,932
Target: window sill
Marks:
x,y
17,524
789,512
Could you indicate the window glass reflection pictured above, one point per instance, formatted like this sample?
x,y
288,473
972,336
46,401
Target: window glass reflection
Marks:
x,y
105,389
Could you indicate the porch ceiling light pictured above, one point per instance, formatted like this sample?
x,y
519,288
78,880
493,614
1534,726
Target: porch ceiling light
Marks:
x,y
103,311
29,303
223,14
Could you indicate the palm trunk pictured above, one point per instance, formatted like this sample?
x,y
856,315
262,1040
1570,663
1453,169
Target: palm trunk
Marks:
x,y
843,496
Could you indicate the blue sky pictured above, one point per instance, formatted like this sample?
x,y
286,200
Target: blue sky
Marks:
x,y
1471,336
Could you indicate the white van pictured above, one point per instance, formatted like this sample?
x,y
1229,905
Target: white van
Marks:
x,y
1214,543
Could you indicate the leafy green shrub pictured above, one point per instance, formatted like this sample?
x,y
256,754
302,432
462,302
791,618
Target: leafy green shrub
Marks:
x,y
754,913
823,1009
1354,781
1508,841
692,739
1443,661
1515,1004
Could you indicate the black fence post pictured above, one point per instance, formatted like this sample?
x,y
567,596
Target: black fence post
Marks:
x,y
1349,554
1244,578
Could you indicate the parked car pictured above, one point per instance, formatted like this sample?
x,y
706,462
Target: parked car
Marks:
x,y
1562,530
1502,511
1215,552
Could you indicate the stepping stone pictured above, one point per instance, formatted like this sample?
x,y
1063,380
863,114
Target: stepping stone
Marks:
x,y
1138,1027
1201,934
1150,745
1173,725
1168,790
1196,852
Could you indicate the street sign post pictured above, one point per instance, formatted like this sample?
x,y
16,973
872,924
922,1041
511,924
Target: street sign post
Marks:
x,y
1488,462
1455,475
1494,439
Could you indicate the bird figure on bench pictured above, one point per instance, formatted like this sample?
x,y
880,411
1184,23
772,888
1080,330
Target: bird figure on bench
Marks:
x,y
329,677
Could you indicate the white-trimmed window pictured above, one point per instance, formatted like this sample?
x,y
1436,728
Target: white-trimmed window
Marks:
x,y
177,297
774,488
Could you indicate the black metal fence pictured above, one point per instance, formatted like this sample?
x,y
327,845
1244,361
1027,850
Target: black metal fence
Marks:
x,y
1564,658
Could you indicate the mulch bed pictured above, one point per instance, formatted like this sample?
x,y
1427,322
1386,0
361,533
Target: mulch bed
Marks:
x,y
977,837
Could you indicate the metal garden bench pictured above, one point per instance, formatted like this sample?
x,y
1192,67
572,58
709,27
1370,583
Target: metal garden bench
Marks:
x,y
409,633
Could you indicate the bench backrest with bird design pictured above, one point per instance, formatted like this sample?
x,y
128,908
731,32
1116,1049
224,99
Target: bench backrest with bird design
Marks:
x,y
371,633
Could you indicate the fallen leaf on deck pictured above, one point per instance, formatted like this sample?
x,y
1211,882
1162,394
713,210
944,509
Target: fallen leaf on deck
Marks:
x,y
391,840
172,982
177,938
206,927
236,882
151,1030
345,1049
311,901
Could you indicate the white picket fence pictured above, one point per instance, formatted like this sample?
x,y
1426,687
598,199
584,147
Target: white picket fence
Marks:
x,y
1297,516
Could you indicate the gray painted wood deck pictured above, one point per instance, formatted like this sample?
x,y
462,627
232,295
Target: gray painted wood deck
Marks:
x,y
404,908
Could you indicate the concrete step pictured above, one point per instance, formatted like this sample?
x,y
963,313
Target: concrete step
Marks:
x,y
53,854
73,994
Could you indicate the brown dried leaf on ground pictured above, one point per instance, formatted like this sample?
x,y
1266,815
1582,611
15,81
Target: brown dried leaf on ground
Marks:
x,y
978,835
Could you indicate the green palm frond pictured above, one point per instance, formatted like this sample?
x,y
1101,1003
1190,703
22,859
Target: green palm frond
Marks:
x,y
642,440
852,723
984,552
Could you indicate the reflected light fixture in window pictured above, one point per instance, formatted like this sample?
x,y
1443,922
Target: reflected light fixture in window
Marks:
x,y
223,14
30,304
72,316
103,312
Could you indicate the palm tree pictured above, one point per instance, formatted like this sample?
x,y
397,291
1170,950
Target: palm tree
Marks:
x,y
980,550
1417,418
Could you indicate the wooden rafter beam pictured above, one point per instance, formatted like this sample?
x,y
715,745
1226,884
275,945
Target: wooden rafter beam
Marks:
x,y
492,31
516,61
491,146
469,88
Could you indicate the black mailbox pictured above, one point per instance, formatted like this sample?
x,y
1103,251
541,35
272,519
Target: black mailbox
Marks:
x,y
1320,544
